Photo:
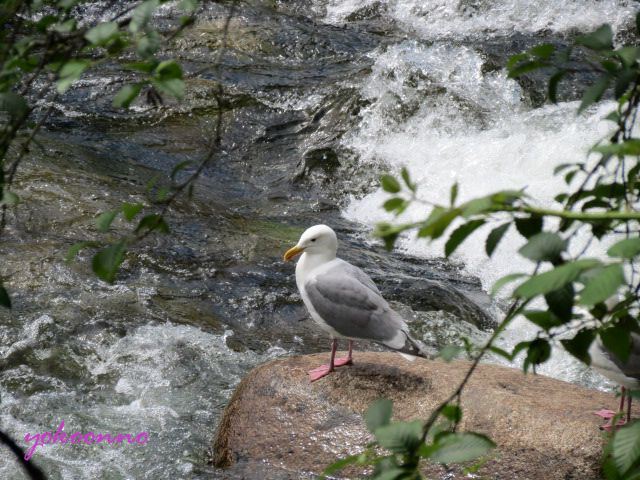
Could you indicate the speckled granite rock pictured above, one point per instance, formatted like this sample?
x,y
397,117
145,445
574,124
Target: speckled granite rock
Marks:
x,y
544,428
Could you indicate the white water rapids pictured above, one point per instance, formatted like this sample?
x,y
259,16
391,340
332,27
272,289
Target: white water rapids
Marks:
x,y
436,112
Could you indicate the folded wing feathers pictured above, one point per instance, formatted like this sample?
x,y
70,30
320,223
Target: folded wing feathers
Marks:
x,y
346,298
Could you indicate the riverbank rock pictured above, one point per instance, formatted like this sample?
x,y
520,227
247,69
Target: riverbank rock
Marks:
x,y
544,428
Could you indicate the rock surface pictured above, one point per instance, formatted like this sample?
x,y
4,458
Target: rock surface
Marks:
x,y
544,428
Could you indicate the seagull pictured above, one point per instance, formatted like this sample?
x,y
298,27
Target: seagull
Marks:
x,y
344,301
626,374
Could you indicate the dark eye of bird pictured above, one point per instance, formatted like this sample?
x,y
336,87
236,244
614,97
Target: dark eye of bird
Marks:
x,y
313,239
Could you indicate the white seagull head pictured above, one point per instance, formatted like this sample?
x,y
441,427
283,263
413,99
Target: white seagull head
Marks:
x,y
316,240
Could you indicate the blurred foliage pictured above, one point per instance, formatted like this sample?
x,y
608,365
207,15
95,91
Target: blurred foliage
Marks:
x,y
584,299
409,442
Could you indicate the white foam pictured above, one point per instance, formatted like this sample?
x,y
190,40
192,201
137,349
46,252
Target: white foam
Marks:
x,y
435,112
166,380
445,18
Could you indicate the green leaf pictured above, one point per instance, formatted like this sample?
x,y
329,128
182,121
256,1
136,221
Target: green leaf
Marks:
x,y
544,246
553,85
404,173
437,223
104,220
101,34
5,300
188,6
452,412
449,352
389,184
75,249
623,81
9,199
543,51
602,284
67,26
126,95
179,167
543,318
148,45
388,233
501,282
163,194
460,234
627,248
549,281
617,339
563,166
601,39
108,260
520,346
560,302
400,437
395,203
168,69
594,92
539,352
476,206
152,182
378,414
393,473
613,116
500,352
454,194
628,147
515,59
171,86
15,105
460,447
340,464
70,72
494,237
525,67
626,447
579,345
153,222
529,226
142,14
44,23
130,210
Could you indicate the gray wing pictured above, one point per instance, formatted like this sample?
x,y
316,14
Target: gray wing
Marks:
x,y
358,274
353,308
632,367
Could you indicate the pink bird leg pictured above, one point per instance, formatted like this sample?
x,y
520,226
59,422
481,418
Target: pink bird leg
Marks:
x,y
348,360
610,414
324,370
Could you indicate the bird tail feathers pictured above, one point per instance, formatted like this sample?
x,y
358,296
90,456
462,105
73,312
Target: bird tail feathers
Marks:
x,y
411,358
413,348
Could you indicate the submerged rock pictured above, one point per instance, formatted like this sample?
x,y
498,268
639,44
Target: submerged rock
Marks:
x,y
544,428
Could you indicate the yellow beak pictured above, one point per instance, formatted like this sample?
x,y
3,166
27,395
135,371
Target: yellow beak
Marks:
x,y
292,252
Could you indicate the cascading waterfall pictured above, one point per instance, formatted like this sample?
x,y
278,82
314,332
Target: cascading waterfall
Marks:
x,y
435,111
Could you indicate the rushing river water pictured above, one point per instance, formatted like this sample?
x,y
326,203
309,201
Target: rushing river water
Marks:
x,y
321,97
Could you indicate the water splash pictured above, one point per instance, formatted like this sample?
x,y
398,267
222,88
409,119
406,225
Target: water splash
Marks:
x,y
435,112
443,18
166,380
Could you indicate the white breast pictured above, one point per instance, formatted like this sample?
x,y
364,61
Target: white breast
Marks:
x,y
306,270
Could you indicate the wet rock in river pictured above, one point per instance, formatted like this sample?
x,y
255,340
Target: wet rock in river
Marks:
x,y
544,428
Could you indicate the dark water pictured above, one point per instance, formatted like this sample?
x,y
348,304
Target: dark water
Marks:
x,y
161,350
